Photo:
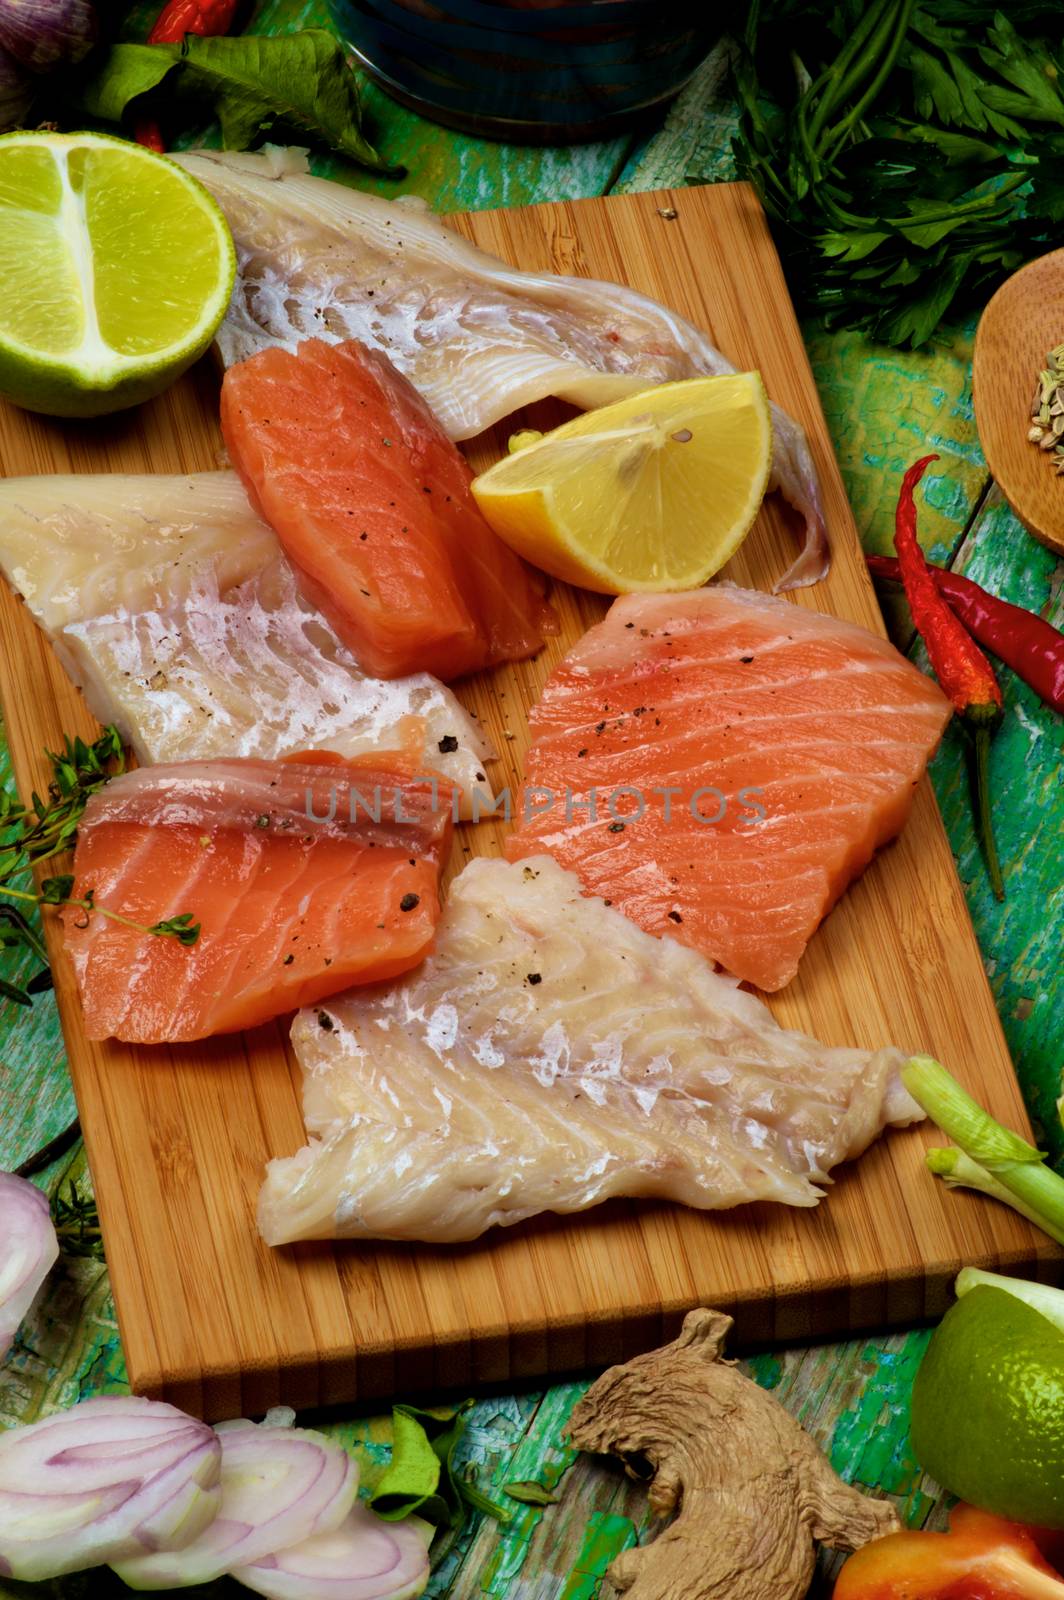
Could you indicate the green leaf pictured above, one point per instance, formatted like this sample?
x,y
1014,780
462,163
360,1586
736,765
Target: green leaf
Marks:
x,y
852,246
54,891
410,1481
926,234
1029,68
182,928
915,322
530,1493
936,92
299,81
405,1486
958,148
123,73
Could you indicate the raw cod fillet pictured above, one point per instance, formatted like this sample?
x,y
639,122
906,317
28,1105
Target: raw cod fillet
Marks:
x,y
773,750
373,505
548,1056
479,339
172,605
291,909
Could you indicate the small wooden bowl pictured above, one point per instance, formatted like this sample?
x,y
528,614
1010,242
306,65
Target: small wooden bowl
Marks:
x,y
1021,324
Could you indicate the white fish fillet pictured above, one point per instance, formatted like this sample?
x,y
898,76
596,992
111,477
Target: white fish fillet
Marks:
x,y
317,259
550,1055
170,602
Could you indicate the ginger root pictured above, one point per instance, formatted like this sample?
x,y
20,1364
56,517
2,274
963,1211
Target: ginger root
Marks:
x,y
754,1492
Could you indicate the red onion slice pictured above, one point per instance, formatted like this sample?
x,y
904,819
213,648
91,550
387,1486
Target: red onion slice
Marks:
x,y
364,1559
109,1479
280,1485
28,1251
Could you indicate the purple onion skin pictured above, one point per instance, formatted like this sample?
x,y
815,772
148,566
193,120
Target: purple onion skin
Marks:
x,y
16,91
45,34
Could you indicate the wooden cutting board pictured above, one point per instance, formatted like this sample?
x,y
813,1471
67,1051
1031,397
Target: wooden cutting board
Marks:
x,y
178,1137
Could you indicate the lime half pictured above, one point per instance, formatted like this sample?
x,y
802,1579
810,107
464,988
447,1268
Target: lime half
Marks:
x,y
117,268
988,1406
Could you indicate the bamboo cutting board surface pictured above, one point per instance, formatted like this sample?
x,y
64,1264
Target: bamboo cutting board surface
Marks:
x,y
178,1137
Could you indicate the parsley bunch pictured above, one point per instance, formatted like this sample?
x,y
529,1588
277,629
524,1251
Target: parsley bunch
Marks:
x,y
908,152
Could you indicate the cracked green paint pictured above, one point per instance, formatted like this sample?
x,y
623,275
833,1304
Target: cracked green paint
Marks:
x,y
604,1538
765,1370
870,1444
884,408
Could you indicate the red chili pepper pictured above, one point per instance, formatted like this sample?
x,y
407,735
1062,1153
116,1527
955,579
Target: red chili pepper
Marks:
x,y
980,1558
1032,647
205,17
962,669
208,18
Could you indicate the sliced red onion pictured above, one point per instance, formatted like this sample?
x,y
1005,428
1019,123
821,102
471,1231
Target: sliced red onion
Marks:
x,y
16,92
44,34
107,1480
364,1559
280,1485
28,1250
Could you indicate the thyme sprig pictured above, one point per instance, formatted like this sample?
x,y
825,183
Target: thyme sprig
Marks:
x,y
46,828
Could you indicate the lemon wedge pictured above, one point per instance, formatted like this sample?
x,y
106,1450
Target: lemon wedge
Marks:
x,y
654,492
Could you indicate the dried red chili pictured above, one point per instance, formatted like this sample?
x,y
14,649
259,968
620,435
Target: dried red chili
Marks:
x,y
1032,647
961,667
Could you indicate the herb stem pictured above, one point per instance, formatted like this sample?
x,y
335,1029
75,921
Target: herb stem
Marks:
x,y
963,209
900,23
980,778
841,77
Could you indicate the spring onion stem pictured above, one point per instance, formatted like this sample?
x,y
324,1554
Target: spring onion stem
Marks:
x,y
1013,1165
959,1171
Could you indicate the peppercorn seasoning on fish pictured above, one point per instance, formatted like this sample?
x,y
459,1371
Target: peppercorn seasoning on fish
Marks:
x,y
304,876
170,602
374,507
476,337
548,1056
721,765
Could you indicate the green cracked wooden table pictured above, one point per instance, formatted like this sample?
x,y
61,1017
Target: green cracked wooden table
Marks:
x,y
884,407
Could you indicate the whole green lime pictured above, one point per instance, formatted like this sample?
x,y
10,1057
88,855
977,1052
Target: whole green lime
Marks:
x,y
988,1408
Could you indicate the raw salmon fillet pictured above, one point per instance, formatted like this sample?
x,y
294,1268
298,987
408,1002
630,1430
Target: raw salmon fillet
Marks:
x,y
371,501
771,749
291,909
550,1055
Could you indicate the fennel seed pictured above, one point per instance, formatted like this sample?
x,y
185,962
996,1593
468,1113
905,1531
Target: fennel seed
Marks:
x,y
1046,423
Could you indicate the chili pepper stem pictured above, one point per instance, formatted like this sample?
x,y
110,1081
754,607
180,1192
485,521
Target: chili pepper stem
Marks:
x,y
980,780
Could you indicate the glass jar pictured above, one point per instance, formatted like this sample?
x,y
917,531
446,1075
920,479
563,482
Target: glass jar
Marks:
x,y
530,71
